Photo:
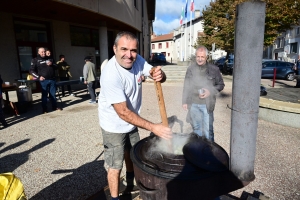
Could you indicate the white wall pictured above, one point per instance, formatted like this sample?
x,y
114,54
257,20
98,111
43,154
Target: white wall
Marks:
x,y
74,55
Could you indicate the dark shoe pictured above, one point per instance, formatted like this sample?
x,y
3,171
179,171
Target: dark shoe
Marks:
x,y
4,123
44,111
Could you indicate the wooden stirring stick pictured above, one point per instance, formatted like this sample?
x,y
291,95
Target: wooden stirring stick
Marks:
x,y
162,108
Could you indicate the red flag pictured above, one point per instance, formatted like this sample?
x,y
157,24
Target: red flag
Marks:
x,y
192,6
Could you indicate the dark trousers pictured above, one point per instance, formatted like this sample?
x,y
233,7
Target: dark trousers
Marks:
x,y
48,86
91,88
2,118
63,87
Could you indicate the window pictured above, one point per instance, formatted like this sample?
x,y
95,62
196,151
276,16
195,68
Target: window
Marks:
x,y
297,30
167,44
168,54
294,47
153,46
280,42
30,32
270,64
81,36
159,45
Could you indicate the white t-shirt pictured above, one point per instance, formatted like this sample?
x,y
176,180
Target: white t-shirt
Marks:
x,y
120,85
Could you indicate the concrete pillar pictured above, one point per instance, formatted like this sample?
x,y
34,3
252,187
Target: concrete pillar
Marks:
x,y
103,42
248,48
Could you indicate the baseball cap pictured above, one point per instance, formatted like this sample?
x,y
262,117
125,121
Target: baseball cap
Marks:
x,y
88,58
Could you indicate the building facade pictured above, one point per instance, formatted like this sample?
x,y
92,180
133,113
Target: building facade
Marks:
x,y
185,37
73,28
163,44
286,47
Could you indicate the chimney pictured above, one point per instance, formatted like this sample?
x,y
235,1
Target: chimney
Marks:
x,y
197,14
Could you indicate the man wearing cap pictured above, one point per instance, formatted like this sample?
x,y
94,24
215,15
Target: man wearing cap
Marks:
x,y
89,75
43,69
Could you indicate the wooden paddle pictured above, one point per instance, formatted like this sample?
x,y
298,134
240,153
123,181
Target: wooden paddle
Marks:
x,y
162,108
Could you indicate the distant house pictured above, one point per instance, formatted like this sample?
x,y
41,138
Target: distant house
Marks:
x,y
163,44
286,47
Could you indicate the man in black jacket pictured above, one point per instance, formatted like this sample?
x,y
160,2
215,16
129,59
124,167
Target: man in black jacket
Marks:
x,y
44,70
202,83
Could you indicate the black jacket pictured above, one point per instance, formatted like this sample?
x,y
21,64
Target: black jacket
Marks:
x,y
40,68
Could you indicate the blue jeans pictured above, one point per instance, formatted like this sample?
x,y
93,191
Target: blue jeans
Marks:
x,y
48,85
202,121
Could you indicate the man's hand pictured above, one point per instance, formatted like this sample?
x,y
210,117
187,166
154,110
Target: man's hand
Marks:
x,y
185,107
162,131
205,94
42,78
132,118
157,74
85,82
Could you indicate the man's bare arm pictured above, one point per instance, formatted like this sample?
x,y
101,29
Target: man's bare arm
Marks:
x,y
132,118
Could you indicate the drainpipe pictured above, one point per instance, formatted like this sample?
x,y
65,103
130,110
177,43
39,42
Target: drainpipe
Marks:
x,y
248,48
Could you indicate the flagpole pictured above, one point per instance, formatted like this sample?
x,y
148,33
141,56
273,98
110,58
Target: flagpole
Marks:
x,y
185,38
181,43
191,13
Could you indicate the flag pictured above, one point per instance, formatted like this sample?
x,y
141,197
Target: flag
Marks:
x,y
192,6
186,5
181,17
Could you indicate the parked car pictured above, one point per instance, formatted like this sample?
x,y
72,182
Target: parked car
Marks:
x,y
158,57
228,66
220,62
284,70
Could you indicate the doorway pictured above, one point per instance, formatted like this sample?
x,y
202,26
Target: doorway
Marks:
x,y
30,35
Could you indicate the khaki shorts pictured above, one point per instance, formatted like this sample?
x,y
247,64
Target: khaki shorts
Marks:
x,y
115,144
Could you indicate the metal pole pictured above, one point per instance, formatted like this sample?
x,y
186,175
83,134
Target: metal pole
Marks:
x,y
274,77
181,42
248,50
191,13
185,27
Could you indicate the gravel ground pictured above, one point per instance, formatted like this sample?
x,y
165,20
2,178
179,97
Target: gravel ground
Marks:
x,y
59,155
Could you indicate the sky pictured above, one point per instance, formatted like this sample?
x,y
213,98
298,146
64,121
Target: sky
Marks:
x,y
168,12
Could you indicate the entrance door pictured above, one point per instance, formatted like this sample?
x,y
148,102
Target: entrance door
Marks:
x,y
30,35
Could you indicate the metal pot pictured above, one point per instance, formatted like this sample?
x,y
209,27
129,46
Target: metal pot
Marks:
x,y
168,176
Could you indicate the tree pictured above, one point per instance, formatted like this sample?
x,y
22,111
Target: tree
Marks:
x,y
219,18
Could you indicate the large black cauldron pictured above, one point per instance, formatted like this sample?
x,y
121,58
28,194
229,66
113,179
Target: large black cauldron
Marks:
x,y
161,176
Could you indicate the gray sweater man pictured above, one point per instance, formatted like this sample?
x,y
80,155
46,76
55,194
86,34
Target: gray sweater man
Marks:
x,y
89,75
207,77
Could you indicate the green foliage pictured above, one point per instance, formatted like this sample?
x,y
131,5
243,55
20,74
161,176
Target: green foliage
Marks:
x,y
219,18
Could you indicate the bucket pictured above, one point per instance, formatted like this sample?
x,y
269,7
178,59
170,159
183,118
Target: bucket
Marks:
x,y
24,94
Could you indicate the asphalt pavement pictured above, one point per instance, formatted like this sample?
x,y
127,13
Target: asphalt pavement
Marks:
x,y
59,155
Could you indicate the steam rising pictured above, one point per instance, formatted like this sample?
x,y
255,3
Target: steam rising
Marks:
x,y
173,146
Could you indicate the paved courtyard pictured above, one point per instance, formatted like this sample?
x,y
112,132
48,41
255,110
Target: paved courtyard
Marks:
x,y
59,155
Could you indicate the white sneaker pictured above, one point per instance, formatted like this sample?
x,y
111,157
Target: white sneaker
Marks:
x,y
92,102
129,182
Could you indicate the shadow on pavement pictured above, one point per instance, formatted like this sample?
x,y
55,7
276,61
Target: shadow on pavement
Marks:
x,y
79,184
11,162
